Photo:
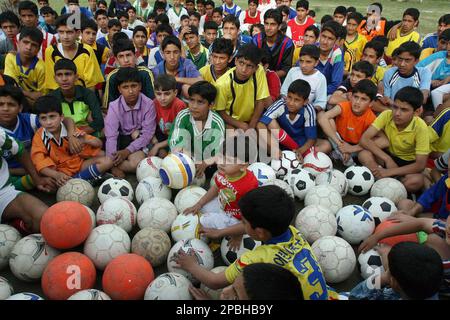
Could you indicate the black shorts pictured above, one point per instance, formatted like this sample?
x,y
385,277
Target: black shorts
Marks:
x,y
400,162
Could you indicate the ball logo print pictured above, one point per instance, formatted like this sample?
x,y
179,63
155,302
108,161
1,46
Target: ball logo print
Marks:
x,y
366,215
74,280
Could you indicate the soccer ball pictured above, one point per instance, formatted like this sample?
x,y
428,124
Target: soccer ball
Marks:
x,y
25,296
78,190
105,243
93,218
169,286
354,223
188,197
214,294
380,208
177,170
185,227
5,289
158,213
148,167
369,263
334,178
283,185
200,181
336,258
115,187
315,222
30,256
301,181
8,238
195,247
325,196
89,294
317,162
360,180
118,211
152,244
151,187
285,164
229,256
389,188
262,172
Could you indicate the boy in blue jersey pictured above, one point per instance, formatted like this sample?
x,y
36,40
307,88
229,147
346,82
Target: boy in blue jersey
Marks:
x,y
291,121
267,213
230,8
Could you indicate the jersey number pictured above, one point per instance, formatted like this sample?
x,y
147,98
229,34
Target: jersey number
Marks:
x,y
304,262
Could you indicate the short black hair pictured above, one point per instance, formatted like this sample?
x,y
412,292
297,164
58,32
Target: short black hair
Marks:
x,y
333,27
159,5
222,45
100,12
210,25
340,10
283,284
195,14
268,207
257,25
310,50
151,16
314,29
204,89
163,28
122,14
218,10
445,19
88,24
417,269
127,74
132,9
28,5
273,14
9,16
114,23
33,33
165,82
284,9
103,2
376,46
231,19
411,95
302,4
382,39
184,17
365,67
240,147
367,87
210,3
170,39
141,29
325,18
13,92
162,18
190,1
48,10
253,1
122,45
62,21
312,13
250,52
445,35
351,9
192,30
301,88
47,104
355,16
65,64
413,48
412,12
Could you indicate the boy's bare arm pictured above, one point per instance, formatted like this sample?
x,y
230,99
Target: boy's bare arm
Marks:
x,y
324,121
189,81
417,167
337,97
259,109
367,143
237,229
93,141
233,122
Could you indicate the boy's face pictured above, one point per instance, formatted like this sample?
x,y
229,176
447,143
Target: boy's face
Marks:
x,y
294,102
352,27
130,91
126,59
217,18
230,31
307,64
443,45
442,27
327,41
165,98
192,40
220,61
339,18
190,6
229,166
370,55
408,23
140,39
66,79
201,8
252,7
28,48
51,121
360,102
244,68
102,21
28,18
10,29
210,35
405,63
209,10
309,38
271,27
93,4
68,36
176,3
89,36
124,22
151,24
131,15
302,13
286,3
42,4
9,109
249,230
402,113
160,36
356,76
49,18
229,2
198,107
235,291
193,21
102,6
256,31
112,31
184,22
160,11
172,55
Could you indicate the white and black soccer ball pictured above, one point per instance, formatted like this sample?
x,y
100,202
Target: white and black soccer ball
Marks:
x,y
389,188
281,184
9,236
229,256
115,187
89,294
301,181
325,196
315,222
370,263
287,162
6,290
334,178
380,208
169,286
354,223
360,180
151,187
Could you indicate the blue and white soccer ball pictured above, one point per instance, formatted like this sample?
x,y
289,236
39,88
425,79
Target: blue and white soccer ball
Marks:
x,y
262,172
25,296
177,170
354,223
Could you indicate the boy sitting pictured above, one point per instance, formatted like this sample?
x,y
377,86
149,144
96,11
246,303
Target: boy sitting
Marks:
x,y
291,121
156,53
78,103
167,107
130,123
195,51
88,36
409,143
354,41
267,213
297,26
220,57
10,25
347,121
114,26
50,151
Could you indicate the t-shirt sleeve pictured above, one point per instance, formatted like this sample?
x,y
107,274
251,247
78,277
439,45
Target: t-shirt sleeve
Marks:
x,y
10,67
275,110
9,145
310,122
430,196
222,95
382,120
262,91
235,269
39,154
422,140
425,79
386,85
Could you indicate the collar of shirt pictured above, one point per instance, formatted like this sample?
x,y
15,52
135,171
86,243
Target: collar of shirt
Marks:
x,y
284,237
409,128
208,123
79,94
125,106
50,136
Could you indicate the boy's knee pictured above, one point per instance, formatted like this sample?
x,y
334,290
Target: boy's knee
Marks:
x,y
413,182
405,204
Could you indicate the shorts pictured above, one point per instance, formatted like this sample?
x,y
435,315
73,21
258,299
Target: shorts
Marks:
x,y
441,163
214,217
400,162
125,140
354,155
7,195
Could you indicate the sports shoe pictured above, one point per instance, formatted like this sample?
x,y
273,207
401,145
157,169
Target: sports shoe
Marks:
x,y
98,181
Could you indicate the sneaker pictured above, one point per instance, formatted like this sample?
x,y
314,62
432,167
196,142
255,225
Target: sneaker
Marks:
x,y
336,155
349,162
98,181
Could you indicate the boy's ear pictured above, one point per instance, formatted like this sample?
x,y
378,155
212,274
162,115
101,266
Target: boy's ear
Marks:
x,y
418,112
317,63
262,234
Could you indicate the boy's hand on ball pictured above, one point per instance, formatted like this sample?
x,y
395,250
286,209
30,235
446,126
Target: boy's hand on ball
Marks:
x,y
210,233
235,243
193,210
186,261
368,244
198,294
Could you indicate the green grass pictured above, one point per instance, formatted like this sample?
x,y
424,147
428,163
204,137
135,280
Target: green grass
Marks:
x,y
430,10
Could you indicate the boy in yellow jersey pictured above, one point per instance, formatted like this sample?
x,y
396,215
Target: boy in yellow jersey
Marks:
x,y
83,56
267,213
406,32
354,41
221,56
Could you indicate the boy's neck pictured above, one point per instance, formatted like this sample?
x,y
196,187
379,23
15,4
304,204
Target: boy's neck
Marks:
x,y
301,21
9,125
309,73
196,50
57,133
237,175
69,94
272,39
26,62
402,34
172,69
70,51
132,104
219,73
351,37
324,55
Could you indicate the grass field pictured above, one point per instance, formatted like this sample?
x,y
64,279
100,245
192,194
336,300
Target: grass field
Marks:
x,y
430,10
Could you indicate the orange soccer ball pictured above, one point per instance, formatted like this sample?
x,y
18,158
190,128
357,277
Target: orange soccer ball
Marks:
x,y
66,224
391,241
127,277
67,274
